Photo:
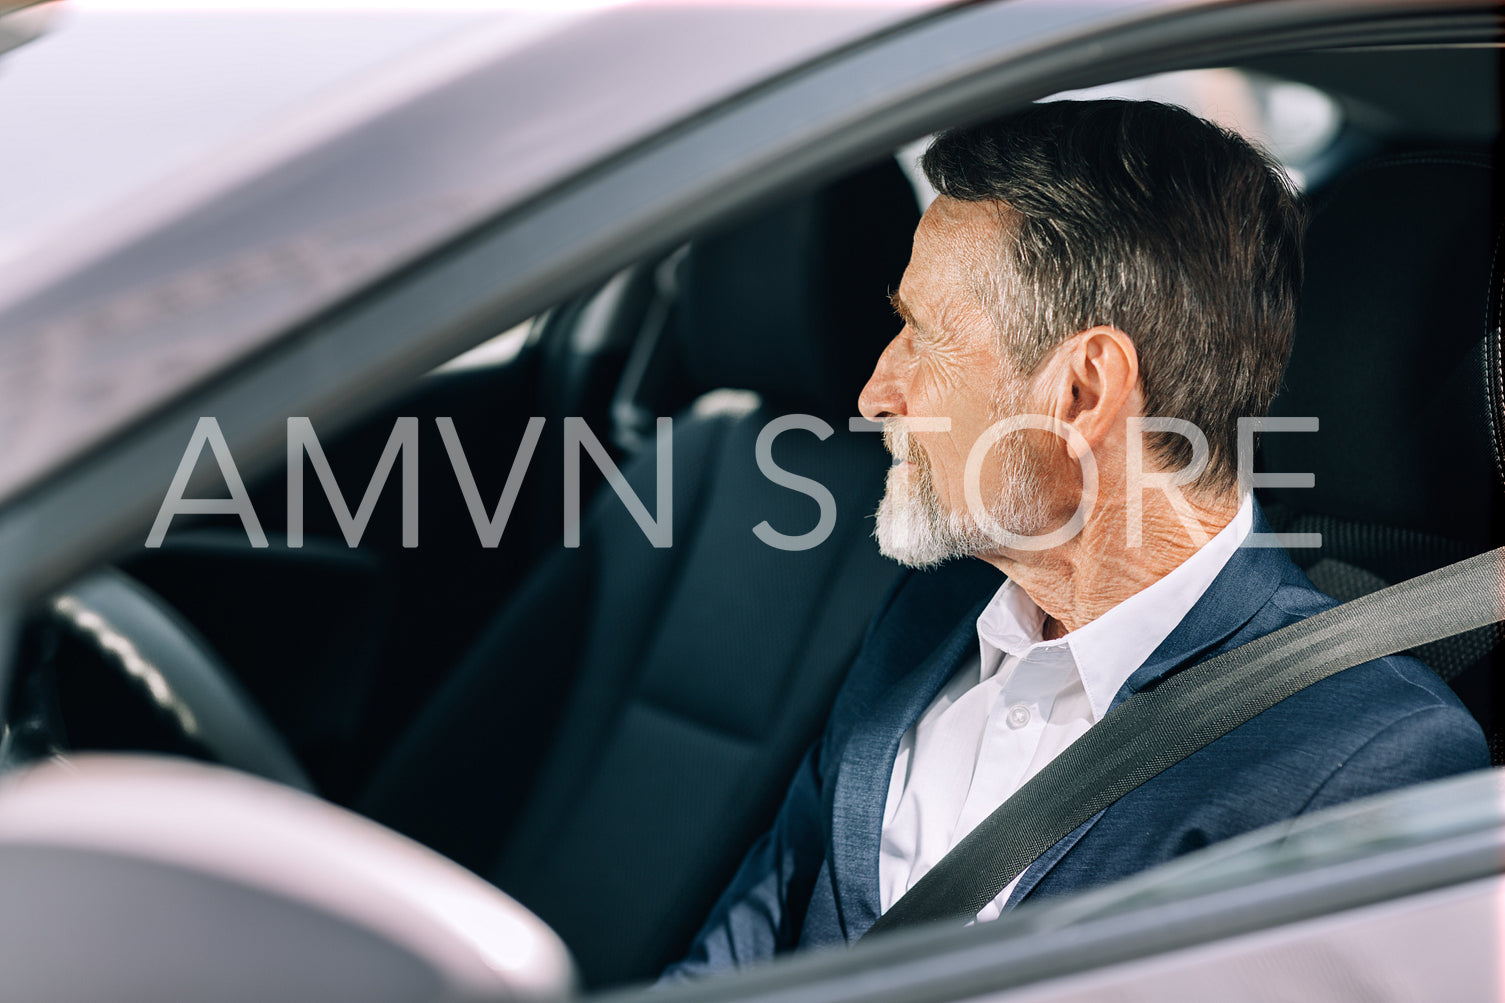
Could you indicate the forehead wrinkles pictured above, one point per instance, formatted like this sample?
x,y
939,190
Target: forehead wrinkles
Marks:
x,y
982,236
970,231
990,258
960,251
996,283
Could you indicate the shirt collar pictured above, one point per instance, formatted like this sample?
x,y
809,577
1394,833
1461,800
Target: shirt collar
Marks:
x,y
1108,650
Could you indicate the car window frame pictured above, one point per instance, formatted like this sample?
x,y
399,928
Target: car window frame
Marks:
x,y
1403,845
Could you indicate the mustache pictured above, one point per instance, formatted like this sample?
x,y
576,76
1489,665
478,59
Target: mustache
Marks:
x,y
899,443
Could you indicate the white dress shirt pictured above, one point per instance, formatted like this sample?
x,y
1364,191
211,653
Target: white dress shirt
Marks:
x,y
1007,713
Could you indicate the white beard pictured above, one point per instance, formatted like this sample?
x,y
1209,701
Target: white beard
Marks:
x,y
914,526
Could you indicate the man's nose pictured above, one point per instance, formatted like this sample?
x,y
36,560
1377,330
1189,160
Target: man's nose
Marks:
x,y
882,397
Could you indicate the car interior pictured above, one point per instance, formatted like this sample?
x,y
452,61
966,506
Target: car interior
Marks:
x,y
537,711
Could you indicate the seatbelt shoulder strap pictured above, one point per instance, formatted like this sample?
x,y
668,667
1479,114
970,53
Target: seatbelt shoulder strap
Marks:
x,y
1157,728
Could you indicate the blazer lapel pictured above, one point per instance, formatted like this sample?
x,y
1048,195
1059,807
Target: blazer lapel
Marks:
x,y
1236,595
1240,590
867,761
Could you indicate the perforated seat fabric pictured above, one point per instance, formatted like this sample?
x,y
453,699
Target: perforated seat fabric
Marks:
x,y
1390,355
662,697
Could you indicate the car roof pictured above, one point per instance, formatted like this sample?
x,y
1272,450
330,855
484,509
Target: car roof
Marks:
x,y
104,322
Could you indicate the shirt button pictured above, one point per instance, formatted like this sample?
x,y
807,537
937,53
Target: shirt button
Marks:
x,y
1018,716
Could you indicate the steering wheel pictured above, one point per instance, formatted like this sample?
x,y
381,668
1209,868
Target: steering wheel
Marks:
x,y
160,656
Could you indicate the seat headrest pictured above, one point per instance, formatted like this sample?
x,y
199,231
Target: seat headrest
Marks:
x,y
792,304
1390,352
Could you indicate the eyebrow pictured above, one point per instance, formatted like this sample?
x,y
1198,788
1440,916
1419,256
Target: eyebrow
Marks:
x,y
900,308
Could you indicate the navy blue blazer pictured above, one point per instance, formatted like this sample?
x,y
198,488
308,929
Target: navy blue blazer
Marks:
x,y
812,879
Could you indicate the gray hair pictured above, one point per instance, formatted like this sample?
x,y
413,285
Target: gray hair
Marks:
x,y
1143,217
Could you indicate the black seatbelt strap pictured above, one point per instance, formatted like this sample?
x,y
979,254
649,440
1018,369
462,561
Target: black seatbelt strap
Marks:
x,y
1158,727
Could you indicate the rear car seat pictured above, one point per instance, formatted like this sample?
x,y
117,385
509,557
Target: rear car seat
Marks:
x,y
624,728
1390,355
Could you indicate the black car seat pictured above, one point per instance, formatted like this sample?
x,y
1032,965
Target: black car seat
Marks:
x,y
1390,355
624,728
448,588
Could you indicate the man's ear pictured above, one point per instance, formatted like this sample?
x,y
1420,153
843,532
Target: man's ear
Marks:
x,y
1097,381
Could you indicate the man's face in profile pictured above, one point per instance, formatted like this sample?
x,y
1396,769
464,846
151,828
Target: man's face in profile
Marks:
x,y
947,362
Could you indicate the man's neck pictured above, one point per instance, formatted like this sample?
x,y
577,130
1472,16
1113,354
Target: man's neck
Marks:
x,y
1081,580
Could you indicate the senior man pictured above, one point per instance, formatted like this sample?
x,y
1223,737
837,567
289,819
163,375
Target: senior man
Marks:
x,y
1086,267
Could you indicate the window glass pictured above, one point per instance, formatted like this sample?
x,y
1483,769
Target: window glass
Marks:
x,y
1293,122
